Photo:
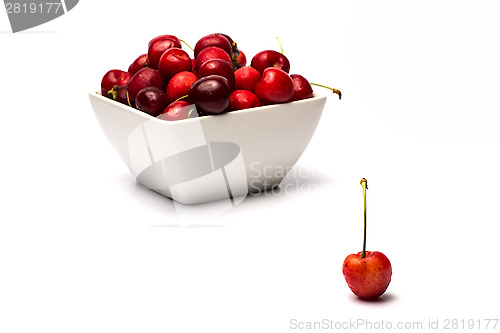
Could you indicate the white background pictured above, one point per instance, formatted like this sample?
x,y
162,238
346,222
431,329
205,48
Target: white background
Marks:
x,y
85,249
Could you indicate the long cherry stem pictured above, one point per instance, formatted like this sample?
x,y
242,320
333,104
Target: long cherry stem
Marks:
x,y
187,45
281,46
364,184
335,91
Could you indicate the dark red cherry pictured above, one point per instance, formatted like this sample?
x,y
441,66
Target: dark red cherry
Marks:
x,y
119,94
146,77
218,67
270,58
139,63
210,94
114,77
211,52
275,86
151,100
242,99
173,61
179,110
301,88
216,39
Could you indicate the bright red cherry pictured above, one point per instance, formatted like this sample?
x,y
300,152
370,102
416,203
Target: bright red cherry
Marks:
x,y
275,86
179,85
211,52
139,63
270,58
216,39
114,77
242,99
241,60
179,110
219,67
301,88
158,45
173,61
246,77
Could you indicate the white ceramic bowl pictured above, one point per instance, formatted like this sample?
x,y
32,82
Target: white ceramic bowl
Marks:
x,y
214,157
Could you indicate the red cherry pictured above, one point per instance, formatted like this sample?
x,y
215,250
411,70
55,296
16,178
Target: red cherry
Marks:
x,y
246,78
301,88
275,86
139,63
219,67
114,77
146,77
179,85
216,39
159,45
173,61
241,60
151,100
211,52
210,94
179,110
270,58
242,99
119,94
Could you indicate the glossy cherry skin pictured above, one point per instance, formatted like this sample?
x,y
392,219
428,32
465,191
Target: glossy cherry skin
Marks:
x,y
242,99
270,58
114,77
246,77
173,61
146,77
369,277
241,60
211,52
179,110
216,39
301,88
180,84
156,49
139,63
177,41
218,67
275,86
210,94
151,100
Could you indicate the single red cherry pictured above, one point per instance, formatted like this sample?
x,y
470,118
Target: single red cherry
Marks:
x,y
216,39
173,61
177,41
210,94
242,99
246,77
270,58
146,77
139,63
114,77
151,100
275,86
211,52
219,67
179,85
301,88
158,46
179,110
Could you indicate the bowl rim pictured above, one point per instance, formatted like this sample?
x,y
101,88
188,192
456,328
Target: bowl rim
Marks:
x,y
97,94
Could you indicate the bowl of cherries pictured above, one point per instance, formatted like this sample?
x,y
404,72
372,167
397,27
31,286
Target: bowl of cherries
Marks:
x,y
203,125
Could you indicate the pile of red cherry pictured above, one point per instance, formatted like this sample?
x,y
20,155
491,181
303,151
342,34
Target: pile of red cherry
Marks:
x,y
165,81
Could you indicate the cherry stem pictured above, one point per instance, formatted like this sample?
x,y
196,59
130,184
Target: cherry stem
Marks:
x,y
364,184
114,92
189,114
187,45
281,46
128,99
335,91
182,97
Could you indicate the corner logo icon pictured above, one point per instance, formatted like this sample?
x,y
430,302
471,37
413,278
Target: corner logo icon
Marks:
x,y
31,13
